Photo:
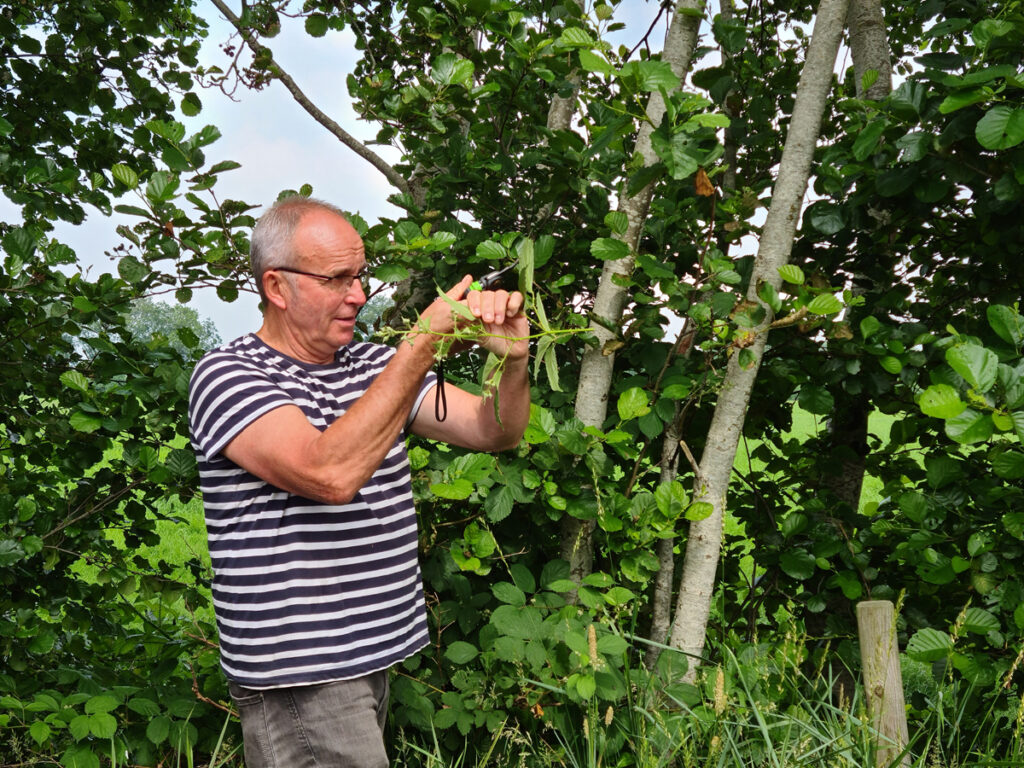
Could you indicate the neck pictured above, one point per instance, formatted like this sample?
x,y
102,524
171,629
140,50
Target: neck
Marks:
x,y
278,335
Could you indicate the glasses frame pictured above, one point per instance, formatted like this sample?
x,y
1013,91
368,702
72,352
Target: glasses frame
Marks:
x,y
362,275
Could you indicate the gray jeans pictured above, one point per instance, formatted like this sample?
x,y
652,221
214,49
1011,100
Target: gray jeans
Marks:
x,y
332,725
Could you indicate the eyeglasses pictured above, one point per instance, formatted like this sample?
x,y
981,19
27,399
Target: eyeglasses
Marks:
x,y
342,282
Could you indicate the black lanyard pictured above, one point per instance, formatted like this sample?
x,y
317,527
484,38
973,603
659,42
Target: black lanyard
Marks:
x,y
488,281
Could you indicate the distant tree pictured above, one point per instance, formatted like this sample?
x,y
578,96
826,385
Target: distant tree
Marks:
x,y
179,324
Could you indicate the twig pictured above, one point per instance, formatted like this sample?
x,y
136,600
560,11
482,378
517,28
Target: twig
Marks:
x,y
314,111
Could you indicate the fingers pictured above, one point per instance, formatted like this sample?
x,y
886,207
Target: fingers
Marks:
x,y
494,307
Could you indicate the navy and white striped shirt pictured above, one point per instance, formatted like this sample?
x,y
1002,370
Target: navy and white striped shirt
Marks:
x,y
303,592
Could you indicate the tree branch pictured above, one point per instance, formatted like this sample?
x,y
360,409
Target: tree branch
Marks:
x,y
314,111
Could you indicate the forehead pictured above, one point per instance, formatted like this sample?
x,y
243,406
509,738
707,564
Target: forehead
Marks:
x,y
324,239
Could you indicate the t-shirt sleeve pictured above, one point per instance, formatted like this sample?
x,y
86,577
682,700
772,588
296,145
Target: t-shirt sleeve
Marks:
x,y
227,394
428,383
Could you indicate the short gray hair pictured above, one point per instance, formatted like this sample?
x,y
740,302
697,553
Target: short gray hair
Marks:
x,y
271,245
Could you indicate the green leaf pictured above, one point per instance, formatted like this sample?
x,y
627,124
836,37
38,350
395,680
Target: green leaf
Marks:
x,y
191,105
866,142
633,403
158,729
825,304
491,251
798,564
509,594
699,510
617,222
460,652
1007,323
39,731
1001,127
1009,465
586,686
125,175
673,152
816,399
499,503
977,365
457,490
574,37
619,596
960,99
929,645
650,75
6,127
670,498
161,186
980,621
869,326
891,364
102,725
316,25
608,248
593,62
969,426
792,274
941,401
79,726
101,703
74,380
84,422
131,270
144,707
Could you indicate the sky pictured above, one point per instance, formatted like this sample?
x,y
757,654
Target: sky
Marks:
x,y
281,147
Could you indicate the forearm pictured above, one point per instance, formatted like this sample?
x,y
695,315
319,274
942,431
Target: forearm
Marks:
x,y
513,403
346,454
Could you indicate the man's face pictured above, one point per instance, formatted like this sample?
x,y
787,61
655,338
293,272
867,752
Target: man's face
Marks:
x,y
322,314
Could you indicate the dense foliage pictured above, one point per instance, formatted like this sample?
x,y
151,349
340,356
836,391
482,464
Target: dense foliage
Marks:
x,y
900,303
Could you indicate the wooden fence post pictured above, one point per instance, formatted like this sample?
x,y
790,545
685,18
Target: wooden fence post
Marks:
x,y
883,681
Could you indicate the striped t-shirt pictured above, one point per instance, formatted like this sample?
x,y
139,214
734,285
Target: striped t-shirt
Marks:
x,y
304,592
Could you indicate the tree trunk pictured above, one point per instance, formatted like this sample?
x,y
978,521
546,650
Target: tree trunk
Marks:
x,y
704,544
610,302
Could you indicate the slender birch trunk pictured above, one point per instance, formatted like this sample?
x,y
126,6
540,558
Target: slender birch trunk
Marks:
x,y
704,544
610,302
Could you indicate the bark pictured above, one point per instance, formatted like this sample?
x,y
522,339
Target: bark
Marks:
x,y
869,46
610,301
704,544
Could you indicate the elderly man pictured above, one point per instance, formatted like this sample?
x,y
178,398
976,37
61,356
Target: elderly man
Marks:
x,y
299,433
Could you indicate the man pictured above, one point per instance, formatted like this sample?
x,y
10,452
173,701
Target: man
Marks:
x,y
299,434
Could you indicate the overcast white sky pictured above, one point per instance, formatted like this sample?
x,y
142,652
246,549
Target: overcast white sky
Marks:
x,y
281,147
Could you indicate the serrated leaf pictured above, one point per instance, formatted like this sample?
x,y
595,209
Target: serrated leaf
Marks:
x,y
606,248
131,270
1009,465
825,304
84,422
593,62
699,510
792,274
102,725
929,645
977,365
74,380
158,729
867,140
460,652
143,706
191,105
509,594
617,222
632,404
40,732
980,621
891,364
498,504
941,401
1007,323
970,426
125,175
457,490
574,37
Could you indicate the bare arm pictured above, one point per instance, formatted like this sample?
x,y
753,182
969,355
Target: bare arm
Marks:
x,y
285,450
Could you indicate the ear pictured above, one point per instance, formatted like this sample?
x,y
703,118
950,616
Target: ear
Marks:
x,y
277,289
